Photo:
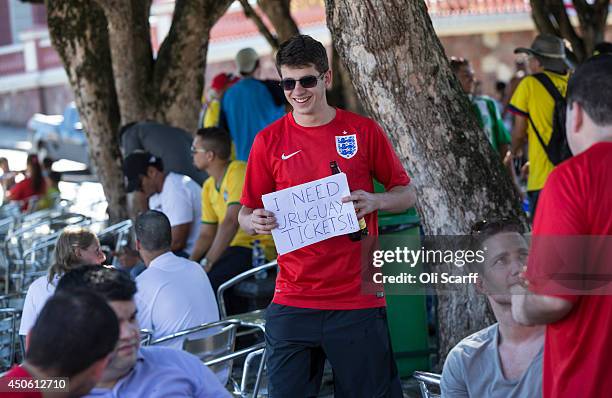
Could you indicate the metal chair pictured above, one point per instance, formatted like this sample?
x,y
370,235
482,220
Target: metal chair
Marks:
x,y
253,321
119,233
217,350
145,337
427,380
8,342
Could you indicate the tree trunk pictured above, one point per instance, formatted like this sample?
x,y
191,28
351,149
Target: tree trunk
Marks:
x,y
593,18
132,56
342,93
550,16
178,78
105,47
80,36
403,79
279,14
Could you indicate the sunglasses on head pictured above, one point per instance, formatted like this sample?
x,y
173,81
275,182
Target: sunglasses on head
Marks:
x,y
505,224
309,81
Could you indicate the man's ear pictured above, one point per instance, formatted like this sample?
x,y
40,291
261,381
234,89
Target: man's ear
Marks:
x,y
577,119
152,171
480,287
98,367
328,78
27,341
138,246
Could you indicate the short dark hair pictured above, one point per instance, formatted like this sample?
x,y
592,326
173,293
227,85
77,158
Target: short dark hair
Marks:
x,y
301,51
486,228
55,176
47,163
219,139
110,283
590,86
153,230
72,332
457,62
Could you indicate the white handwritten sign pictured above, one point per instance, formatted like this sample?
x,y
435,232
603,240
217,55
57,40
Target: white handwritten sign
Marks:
x,y
311,212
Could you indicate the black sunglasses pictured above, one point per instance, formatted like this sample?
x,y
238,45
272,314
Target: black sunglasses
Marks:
x,y
309,81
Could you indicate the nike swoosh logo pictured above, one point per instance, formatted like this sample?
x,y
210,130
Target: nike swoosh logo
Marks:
x,y
285,157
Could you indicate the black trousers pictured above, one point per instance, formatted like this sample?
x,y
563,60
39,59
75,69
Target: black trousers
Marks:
x,y
356,343
234,261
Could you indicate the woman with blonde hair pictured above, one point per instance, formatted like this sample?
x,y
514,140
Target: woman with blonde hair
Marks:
x,y
74,247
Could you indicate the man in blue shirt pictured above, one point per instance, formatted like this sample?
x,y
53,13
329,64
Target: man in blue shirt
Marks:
x,y
138,371
249,105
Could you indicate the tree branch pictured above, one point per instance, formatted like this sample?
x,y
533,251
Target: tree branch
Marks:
x,y
279,14
541,18
178,74
261,26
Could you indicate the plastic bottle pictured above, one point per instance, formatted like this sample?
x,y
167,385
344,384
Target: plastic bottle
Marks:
x,y
259,258
363,227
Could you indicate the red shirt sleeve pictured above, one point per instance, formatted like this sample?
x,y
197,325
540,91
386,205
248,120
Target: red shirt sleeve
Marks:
x,y
556,259
258,179
388,169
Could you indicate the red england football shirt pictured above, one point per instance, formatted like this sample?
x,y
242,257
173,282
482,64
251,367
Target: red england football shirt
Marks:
x,y
324,275
16,373
576,202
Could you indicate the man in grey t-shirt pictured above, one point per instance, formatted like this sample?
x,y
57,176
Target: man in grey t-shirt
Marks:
x,y
505,359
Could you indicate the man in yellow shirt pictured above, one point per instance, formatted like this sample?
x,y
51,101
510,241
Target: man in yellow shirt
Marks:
x,y
534,106
224,248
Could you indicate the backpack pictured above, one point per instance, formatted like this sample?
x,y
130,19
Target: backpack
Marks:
x,y
557,149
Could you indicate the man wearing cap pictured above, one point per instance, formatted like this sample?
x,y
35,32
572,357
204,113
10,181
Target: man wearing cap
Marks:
x,y
533,107
175,195
248,106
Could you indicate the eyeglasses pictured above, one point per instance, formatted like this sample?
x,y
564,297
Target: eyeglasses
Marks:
x,y
309,81
194,150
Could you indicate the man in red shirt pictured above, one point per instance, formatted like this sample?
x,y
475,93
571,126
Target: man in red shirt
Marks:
x,y
68,348
319,309
569,250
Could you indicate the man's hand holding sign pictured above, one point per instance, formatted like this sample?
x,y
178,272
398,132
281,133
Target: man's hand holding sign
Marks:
x,y
309,213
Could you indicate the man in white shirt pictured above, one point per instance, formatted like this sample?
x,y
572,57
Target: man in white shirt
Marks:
x,y
175,195
173,293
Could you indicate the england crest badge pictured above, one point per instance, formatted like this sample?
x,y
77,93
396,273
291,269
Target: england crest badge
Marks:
x,y
346,145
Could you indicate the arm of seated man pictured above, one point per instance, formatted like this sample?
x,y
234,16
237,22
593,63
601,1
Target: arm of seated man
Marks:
x,y
225,234
207,235
180,233
453,381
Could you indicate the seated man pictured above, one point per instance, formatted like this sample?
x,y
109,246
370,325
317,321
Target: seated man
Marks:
x,y
134,371
175,195
505,359
228,248
72,338
173,293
